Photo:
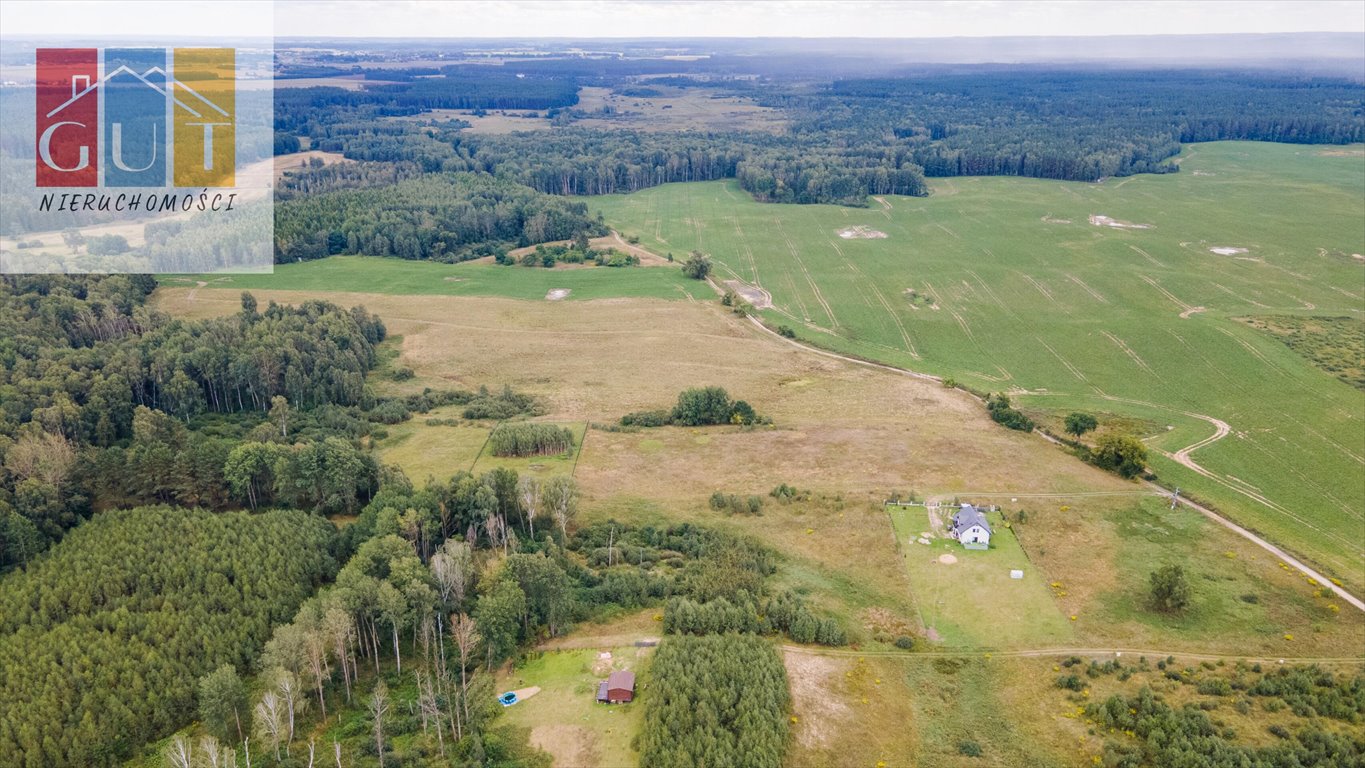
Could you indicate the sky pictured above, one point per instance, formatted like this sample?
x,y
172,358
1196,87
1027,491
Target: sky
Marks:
x,y
681,18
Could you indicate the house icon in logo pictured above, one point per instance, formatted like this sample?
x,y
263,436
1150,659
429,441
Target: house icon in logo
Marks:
x,y
156,130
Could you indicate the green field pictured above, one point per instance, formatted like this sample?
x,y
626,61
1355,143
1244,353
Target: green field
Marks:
x,y
968,601
423,278
1016,289
423,450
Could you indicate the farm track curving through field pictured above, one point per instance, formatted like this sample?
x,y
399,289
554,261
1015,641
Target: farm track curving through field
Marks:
x,y
1182,456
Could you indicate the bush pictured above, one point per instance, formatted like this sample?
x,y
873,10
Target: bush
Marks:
x,y
699,406
905,642
1078,424
969,748
786,332
389,412
1120,453
402,373
1170,589
656,418
503,405
527,439
697,266
999,407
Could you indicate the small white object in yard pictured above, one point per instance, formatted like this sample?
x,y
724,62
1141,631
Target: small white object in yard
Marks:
x,y
922,540
604,655
1016,574
557,294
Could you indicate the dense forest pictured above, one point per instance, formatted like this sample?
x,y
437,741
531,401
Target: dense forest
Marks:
x,y
715,700
104,402
445,217
101,641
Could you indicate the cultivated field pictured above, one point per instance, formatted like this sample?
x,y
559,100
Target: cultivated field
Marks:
x,y
1135,313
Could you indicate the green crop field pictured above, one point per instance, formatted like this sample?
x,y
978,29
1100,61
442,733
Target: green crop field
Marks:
x,y
1016,287
423,278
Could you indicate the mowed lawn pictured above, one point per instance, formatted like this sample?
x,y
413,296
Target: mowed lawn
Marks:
x,y
564,717
362,274
1016,289
972,601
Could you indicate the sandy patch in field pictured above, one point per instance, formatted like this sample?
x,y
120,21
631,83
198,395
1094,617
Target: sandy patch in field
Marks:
x,y
1226,250
860,232
818,713
1192,311
1100,220
756,296
947,559
1204,173
569,746
1048,219
525,693
557,294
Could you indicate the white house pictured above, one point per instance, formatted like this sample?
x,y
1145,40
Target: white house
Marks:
x,y
971,529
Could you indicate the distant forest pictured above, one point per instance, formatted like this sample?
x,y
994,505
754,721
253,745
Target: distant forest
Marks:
x,y
846,139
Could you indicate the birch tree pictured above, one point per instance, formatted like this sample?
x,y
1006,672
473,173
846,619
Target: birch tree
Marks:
x,y
528,492
379,708
560,498
270,723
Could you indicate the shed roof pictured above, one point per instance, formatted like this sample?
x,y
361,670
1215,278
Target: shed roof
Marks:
x,y
621,678
967,517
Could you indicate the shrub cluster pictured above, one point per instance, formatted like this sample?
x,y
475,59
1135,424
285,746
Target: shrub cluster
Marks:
x,y
698,407
1003,413
736,505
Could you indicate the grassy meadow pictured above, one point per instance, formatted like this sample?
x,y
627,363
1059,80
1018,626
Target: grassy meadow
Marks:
x,y
424,278
1015,289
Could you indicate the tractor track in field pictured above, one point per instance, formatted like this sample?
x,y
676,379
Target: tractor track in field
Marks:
x,y
1182,456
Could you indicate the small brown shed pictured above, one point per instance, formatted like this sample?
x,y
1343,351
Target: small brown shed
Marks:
x,y
620,687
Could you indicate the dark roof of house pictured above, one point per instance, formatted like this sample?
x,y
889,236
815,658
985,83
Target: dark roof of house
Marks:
x,y
602,691
968,516
621,678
